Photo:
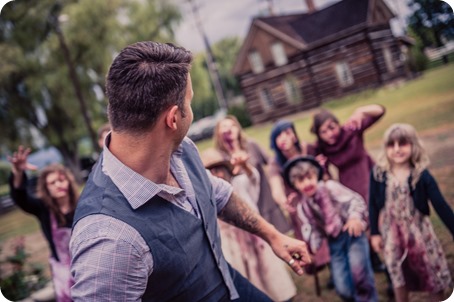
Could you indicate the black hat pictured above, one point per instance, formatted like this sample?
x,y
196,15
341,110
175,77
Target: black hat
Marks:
x,y
292,162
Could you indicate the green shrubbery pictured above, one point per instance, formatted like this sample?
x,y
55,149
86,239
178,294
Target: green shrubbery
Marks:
x,y
19,281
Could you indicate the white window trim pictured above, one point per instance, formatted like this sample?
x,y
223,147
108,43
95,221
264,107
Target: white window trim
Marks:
x,y
279,55
344,74
256,62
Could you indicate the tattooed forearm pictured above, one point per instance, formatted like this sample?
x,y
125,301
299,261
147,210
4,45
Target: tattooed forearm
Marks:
x,y
238,213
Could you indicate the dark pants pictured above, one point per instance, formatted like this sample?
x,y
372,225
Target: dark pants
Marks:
x,y
246,290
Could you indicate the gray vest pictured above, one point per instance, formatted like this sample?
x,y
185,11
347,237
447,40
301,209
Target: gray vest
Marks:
x,y
187,256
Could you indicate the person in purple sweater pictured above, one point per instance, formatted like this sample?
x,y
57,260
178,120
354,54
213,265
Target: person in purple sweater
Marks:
x,y
343,146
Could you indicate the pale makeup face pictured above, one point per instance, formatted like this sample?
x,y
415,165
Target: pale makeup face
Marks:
x,y
399,153
229,131
286,140
306,184
57,185
329,132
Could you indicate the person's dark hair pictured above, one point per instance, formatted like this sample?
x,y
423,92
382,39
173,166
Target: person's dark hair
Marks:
x,y
145,79
322,116
278,127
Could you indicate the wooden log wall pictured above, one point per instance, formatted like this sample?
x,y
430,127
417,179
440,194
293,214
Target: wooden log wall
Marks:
x,y
315,75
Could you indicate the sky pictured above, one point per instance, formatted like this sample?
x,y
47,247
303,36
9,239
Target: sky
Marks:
x,y
221,19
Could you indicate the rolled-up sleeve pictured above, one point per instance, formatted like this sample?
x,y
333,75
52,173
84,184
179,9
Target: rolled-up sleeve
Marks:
x,y
110,260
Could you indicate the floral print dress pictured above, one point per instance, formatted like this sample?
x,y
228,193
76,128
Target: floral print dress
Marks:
x,y
412,252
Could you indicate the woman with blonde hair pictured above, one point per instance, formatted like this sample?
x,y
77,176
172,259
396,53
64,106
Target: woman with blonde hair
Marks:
x,y
54,206
229,139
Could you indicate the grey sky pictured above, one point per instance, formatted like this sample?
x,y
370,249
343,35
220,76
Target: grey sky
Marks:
x,y
228,18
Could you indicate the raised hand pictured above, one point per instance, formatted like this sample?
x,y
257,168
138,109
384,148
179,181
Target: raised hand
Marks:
x,y
19,160
19,164
239,161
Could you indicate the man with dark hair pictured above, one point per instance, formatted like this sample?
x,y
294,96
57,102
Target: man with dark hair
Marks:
x,y
145,227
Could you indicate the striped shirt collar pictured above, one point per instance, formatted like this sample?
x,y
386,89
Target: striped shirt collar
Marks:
x,y
136,188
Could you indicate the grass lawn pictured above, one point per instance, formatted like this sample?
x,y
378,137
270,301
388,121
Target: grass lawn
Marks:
x,y
426,102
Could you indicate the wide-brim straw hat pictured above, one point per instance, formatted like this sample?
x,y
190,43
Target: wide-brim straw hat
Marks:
x,y
214,158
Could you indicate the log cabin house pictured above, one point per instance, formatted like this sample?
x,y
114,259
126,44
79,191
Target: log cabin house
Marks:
x,y
291,63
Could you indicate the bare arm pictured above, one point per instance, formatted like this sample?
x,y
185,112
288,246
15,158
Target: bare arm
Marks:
x,y
238,213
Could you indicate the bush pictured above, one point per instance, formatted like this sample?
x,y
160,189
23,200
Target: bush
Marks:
x,y
417,60
5,169
240,112
20,282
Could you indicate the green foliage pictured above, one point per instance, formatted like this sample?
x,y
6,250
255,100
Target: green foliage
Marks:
x,y
204,102
24,278
225,52
240,112
37,92
432,20
5,169
417,60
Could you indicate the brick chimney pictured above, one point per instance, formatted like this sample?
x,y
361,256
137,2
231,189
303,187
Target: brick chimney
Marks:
x,y
310,6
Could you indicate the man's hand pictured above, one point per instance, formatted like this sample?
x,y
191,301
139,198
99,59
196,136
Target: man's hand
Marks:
x,y
294,252
354,227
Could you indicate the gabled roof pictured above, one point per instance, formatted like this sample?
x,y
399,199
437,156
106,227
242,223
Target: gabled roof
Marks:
x,y
322,23
303,30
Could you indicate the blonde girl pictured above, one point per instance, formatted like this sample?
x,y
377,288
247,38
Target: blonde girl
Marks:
x,y
400,189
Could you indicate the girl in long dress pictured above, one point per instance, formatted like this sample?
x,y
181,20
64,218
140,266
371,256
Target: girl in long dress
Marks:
x,y
400,191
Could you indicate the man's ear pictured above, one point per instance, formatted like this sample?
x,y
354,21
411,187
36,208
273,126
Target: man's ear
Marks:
x,y
172,117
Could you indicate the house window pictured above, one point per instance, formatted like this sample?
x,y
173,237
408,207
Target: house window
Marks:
x,y
266,99
344,74
389,60
256,62
279,56
291,90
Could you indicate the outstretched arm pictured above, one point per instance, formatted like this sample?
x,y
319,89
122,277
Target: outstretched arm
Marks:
x,y
364,116
292,251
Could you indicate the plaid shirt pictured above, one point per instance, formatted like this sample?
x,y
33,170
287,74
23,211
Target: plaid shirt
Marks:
x,y
119,261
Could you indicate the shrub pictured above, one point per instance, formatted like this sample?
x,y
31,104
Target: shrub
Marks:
x,y
240,112
20,281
